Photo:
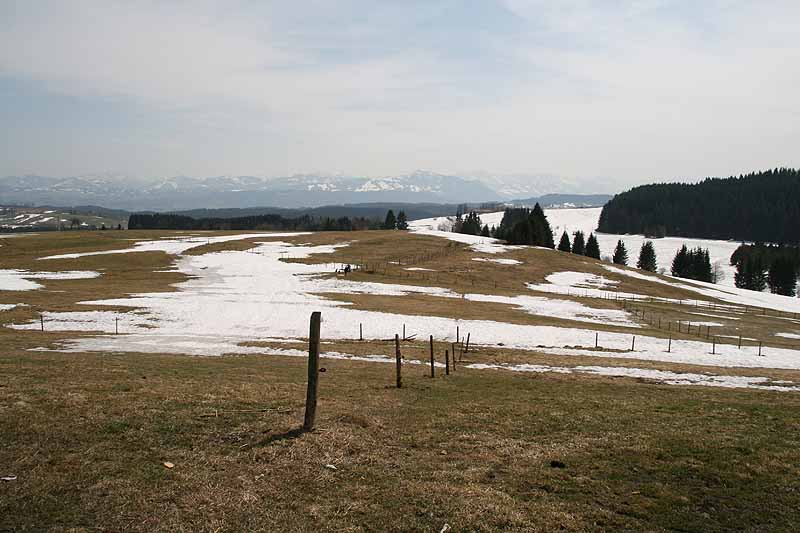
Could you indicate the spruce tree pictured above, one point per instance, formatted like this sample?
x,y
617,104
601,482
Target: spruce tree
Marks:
x,y
391,221
742,274
647,257
485,231
620,254
680,262
564,244
578,244
402,222
542,230
592,247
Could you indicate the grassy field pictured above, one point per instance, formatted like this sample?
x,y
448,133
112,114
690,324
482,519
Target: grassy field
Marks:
x,y
87,434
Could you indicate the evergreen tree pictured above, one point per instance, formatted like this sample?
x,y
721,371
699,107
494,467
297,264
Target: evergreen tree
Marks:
x,y
692,264
763,206
742,274
485,231
471,225
402,222
782,278
564,244
544,234
526,226
647,257
578,244
592,247
680,263
620,254
391,221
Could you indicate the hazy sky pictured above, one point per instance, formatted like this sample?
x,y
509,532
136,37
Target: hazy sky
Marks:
x,y
636,90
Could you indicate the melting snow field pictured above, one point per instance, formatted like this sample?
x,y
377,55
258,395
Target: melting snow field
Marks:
x,y
585,219
235,296
21,280
663,376
239,296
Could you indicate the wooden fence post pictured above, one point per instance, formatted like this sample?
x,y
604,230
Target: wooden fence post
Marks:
x,y
454,356
116,325
466,350
313,371
633,343
669,346
740,341
399,360
433,372
360,332
41,319
714,346
759,348
446,363
596,339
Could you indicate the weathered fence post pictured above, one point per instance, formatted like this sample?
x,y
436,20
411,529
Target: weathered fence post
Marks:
x,y
433,372
399,360
313,371
360,332
446,363
740,341
596,340
669,346
454,356
457,339
759,348
41,319
714,345
404,332
633,343
466,350
116,325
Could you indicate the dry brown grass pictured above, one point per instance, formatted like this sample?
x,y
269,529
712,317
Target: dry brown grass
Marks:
x,y
87,436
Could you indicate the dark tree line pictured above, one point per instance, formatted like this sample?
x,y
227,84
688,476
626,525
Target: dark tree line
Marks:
x,y
759,266
579,245
171,221
757,207
692,264
470,224
395,222
521,225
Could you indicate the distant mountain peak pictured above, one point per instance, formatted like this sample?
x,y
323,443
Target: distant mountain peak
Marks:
x,y
298,190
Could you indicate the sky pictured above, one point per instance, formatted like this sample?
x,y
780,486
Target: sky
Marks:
x,y
633,90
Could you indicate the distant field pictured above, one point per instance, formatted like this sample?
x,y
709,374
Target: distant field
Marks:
x,y
46,218
675,429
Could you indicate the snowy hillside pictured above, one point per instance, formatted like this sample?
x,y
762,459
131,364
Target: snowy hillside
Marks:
x,y
571,220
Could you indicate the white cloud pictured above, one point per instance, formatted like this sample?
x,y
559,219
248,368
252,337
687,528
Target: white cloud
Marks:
x,y
637,90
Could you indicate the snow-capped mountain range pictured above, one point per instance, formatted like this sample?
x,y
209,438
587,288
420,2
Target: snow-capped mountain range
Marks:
x,y
304,190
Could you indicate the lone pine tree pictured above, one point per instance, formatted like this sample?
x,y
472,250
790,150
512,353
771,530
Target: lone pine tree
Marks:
x,y
402,221
578,244
564,245
620,254
391,221
592,247
647,257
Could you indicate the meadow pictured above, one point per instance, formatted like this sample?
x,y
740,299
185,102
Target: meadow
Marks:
x,y
550,420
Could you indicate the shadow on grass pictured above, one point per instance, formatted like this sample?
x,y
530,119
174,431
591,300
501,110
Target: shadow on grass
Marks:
x,y
286,435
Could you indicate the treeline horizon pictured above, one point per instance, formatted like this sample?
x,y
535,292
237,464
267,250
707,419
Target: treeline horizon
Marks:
x,y
171,221
756,207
